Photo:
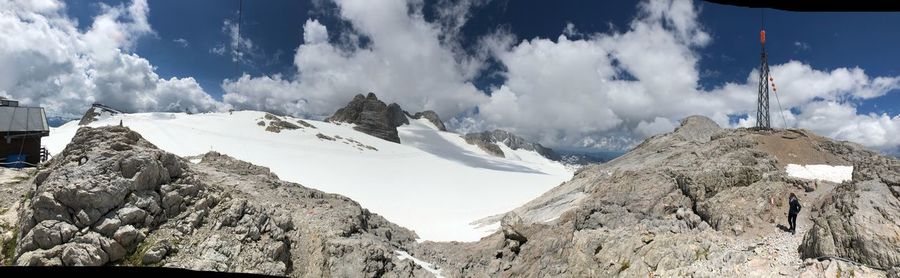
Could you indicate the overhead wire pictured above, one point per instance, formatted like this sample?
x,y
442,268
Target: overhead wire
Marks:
x,y
237,61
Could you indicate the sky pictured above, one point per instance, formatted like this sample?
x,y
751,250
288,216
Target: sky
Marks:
x,y
600,74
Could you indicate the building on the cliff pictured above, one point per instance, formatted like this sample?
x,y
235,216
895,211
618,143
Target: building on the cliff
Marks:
x,y
21,129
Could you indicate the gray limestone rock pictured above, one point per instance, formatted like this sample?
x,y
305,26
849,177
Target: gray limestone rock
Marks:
x,y
432,117
82,254
701,201
96,111
860,221
484,141
111,197
488,141
372,117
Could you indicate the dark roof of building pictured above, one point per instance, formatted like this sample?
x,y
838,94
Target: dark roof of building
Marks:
x,y
23,120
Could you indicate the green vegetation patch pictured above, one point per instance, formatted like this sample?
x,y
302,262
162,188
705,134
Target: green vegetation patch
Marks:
x,y
136,258
9,248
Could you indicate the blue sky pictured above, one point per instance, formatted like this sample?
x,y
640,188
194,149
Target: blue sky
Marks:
x,y
589,74
825,40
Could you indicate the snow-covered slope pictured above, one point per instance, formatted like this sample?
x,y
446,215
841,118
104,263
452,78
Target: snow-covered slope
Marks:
x,y
433,183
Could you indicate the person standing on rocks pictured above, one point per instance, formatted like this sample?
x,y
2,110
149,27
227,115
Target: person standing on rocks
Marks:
x,y
793,210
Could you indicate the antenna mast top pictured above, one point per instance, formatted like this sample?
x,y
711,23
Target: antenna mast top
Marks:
x,y
762,100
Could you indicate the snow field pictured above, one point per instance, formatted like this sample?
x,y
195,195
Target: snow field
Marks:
x,y
433,183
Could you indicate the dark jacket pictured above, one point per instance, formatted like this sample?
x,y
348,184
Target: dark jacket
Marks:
x,y
794,204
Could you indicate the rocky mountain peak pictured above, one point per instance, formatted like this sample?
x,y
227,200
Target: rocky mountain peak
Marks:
x,y
372,116
432,117
697,128
487,141
97,111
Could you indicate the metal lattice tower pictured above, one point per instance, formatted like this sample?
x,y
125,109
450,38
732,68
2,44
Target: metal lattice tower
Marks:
x,y
762,101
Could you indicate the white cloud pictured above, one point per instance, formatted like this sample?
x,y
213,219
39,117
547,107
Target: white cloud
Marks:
x,y
45,60
218,50
801,45
405,61
570,31
841,121
657,126
607,89
182,42
602,85
240,48
610,90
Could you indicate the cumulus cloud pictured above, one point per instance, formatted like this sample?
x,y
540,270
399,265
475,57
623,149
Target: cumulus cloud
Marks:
x,y
611,90
605,90
46,60
404,61
604,85
239,48
841,121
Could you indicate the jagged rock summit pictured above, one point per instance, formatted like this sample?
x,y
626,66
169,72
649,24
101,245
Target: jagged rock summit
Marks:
x,y
701,201
432,117
112,198
374,117
488,140
96,112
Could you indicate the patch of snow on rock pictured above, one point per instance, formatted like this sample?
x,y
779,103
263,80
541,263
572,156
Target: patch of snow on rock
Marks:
x,y
402,255
836,174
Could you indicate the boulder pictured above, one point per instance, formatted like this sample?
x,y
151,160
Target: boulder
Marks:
x,y
861,222
371,116
81,254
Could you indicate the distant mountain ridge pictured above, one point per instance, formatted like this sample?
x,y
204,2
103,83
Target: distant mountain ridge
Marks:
x,y
97,111
487,141
374,117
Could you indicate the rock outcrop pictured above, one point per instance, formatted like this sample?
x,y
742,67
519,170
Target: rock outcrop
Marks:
x,y
700,201
96,112
432,117
378,119
488,140
112,198
372,117
860,221
276,124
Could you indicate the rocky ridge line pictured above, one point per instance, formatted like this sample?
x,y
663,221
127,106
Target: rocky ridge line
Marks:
x,y
700,201
488,141
112,198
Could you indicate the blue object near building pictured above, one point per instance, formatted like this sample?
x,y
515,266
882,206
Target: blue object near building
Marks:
x,y
15,161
